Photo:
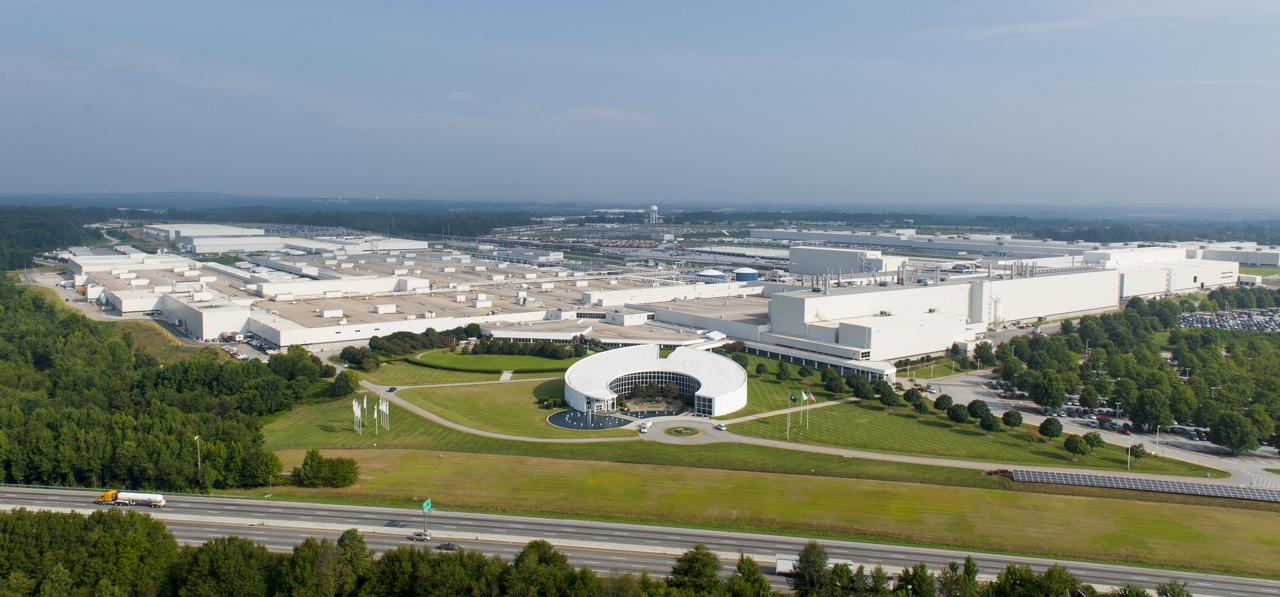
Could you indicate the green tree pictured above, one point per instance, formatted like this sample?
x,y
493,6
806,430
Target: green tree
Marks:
x,y
130,550
955,581
784,371
804,371
1137,451
539,570
740,359
811,576
1150,409
314,570
1234,432
890,399
697,570
978,408
835,385
1051,428
1011,418
942,403
915,581
761,369
345,383
1076,445
984,354
958,413
912,396
57,583
989,423
748,580
312,471
1094,440
921,407
226,566
1172,588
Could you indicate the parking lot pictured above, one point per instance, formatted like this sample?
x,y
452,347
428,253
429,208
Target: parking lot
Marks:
x,y
1254,320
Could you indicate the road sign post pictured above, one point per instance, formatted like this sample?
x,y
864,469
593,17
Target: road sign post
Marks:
x,y
426,507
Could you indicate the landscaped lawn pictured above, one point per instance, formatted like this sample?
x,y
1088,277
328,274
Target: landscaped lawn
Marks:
x,y
329,425
509,408
867,426
765,393
1118,531
493,362
408,374
926,371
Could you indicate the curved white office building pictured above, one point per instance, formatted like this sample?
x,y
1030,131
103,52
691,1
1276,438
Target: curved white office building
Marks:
x,y
717,385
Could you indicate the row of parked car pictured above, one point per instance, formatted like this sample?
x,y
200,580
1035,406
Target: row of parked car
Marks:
x,y
235,354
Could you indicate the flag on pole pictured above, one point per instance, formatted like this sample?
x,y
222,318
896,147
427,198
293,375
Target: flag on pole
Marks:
x,y
355,408
793,397
807,396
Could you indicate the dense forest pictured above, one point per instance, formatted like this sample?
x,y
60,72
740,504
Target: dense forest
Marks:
x,y
1228,381
27,231
116,552
81,406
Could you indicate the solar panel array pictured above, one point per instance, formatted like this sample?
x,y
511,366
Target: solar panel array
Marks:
x,y
1160,485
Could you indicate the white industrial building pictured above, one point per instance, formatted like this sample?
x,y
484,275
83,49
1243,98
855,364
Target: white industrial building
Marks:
x,y
717,385
344,291
838,260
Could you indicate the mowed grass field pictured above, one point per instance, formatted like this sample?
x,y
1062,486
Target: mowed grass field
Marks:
x,y
868,426
1130,531
329,425
493,362
407,374
509,408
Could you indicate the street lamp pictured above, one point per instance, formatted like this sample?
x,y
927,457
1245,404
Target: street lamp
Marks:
x,y
199,468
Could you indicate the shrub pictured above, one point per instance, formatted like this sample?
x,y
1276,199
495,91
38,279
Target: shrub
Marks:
x,y
989,423
978,409
942,403
1012,418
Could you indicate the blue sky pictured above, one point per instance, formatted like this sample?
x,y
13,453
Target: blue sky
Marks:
x,y
859,103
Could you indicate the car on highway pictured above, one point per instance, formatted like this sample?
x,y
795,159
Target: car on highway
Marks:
x,y
420,536
448,547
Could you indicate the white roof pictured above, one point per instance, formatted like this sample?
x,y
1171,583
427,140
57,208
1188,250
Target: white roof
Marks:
x,y
710,272
718,375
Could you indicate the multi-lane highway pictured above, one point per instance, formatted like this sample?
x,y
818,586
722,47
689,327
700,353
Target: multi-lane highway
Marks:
x,y
605,547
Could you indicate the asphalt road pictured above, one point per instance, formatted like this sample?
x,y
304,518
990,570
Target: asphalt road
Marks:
x,y
606,547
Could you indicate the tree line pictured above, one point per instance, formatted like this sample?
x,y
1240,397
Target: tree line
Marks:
x,y
117,552
28,231
81,405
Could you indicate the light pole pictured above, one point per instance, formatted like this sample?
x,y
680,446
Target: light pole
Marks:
x,y
199,468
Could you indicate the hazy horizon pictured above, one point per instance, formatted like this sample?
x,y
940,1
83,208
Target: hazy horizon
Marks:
x,y
1124,106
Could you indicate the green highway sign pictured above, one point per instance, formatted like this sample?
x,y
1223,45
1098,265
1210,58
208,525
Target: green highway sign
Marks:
x,y
426,505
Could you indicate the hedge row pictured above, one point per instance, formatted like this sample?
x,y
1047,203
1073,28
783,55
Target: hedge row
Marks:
x,y
480,369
